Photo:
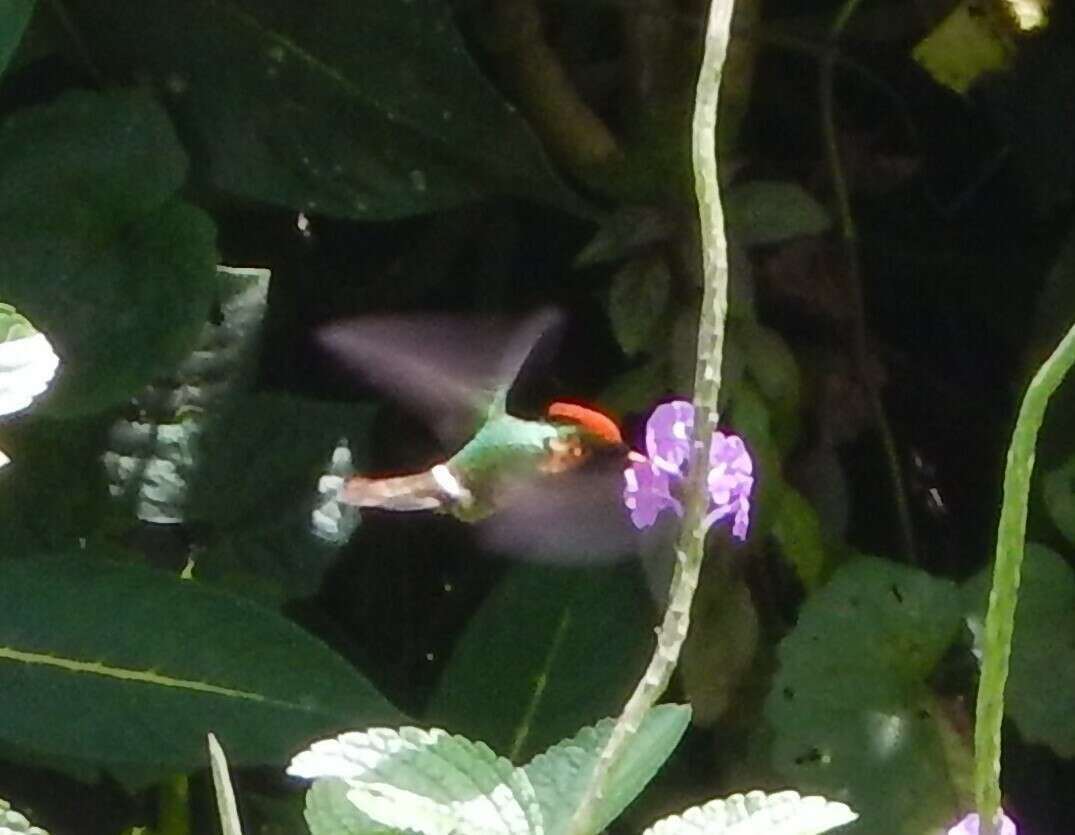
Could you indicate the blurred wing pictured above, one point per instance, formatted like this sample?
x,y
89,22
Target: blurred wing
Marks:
x,y
574,517
447,369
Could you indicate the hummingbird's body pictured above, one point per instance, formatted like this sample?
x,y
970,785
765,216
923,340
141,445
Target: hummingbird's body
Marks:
x,y
472,484
523,480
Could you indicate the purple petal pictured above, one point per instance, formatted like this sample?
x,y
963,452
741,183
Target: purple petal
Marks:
x,y
970,825
668,436
730,482
647,491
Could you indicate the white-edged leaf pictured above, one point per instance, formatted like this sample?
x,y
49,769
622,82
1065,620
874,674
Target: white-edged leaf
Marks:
x,y
758,813
13,823
329,812
27,361
426,781
559,775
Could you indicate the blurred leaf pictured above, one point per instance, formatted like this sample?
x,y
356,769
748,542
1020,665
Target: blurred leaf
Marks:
x,y
770,362
720,647
118,664
14,15
769,212
53,496
14,823
559,775
797,530
849,705
358,110
637,301
550,650
1058,486
635,390
429,782
1040,694
98,251
758,813
256,487
967,44
624,231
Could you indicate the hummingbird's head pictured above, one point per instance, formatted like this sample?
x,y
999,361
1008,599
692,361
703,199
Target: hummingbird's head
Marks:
x,y
586,431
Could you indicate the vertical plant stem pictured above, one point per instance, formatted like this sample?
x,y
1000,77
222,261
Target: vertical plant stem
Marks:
x,y
849,238
691,540
1004,594
173,806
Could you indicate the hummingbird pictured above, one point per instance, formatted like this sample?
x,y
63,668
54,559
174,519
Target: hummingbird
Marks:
x,y
548,487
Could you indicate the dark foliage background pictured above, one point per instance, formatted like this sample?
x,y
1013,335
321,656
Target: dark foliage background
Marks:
x,y
497,157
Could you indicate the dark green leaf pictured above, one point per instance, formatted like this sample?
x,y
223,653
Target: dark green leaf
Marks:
x,y
362,110
98,252
53,494
768,212
637,302
118,664
1040,695
256,486
551,650
14,15
1058,487
850,706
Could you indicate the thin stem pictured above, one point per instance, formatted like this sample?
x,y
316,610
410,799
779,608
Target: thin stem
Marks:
x,y
1003,596
691,540
849,238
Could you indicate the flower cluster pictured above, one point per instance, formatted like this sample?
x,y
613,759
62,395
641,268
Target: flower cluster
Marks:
x,y
652,481
970,825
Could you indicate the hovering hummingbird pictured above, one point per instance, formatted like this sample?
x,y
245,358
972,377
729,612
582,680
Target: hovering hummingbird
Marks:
x,y
549,487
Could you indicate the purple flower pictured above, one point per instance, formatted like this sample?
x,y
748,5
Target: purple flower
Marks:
x,y
651,481
969,826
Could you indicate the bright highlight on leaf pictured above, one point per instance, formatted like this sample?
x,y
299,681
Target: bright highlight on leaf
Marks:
x,y
426,781
13,823
27,362
758,813
652,481
434,783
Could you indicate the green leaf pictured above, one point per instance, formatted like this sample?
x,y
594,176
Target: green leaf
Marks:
x,y
98,251
560,775
637,302
121,665
44,507
624,231
797,530
769,212
770,362
551,649
265,453
357,110
758,813
1058,487
14,16
1040,694
329,812
425,781
850,706
13,823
